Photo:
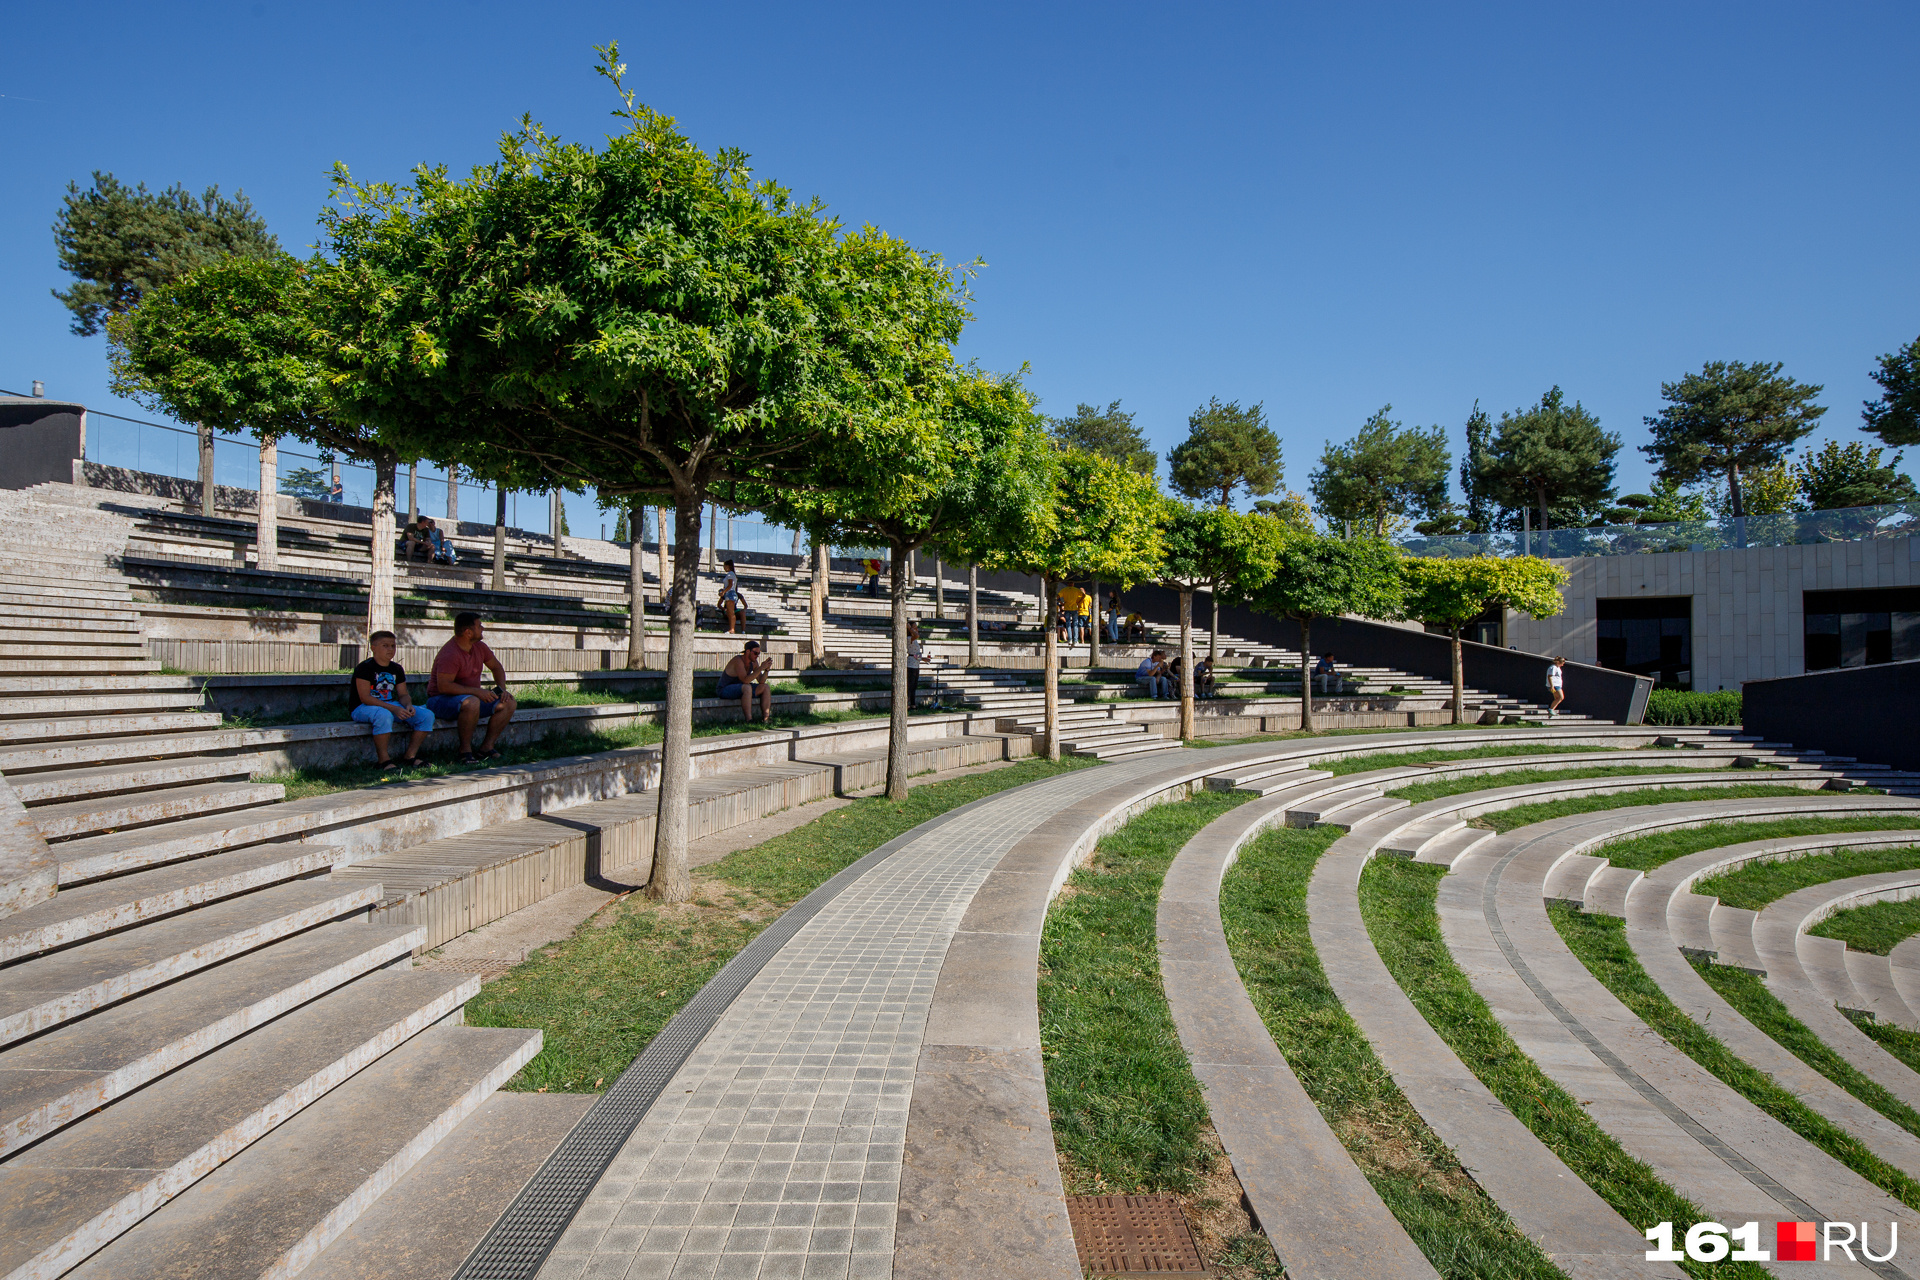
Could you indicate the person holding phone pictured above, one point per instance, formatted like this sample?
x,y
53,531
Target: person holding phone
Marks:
x,y
745,675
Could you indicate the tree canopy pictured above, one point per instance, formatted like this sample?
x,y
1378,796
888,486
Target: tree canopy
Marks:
x,y
1385,474
1108,432
1451,593
1552,456
1851,475
1318,576
1895,416
121,243
1227,448
1727,418
1479,503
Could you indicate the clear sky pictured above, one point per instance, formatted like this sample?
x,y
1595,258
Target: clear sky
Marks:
x,y
1325,208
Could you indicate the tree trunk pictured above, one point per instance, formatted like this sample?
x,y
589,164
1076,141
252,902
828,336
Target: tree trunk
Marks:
x,y
380,584
453,501
1213,636
897,711
1093,632
817,603
1306,675
713,535
939,589
500,538
554,518
669,881
796,544
1736,498
1186,665
973,615
205,434
413,493
1542,491
266,537
636,588
1459,681
1050,661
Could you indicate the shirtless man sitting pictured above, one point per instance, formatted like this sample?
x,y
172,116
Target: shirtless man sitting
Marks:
x,y
745,673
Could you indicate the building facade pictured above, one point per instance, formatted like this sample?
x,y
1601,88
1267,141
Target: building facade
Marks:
x,y
1713,619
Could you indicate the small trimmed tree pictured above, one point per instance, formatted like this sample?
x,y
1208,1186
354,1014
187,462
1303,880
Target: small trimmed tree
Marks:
x,y
1222,551
1452,593
1102,520
231,346
1317,576
641,318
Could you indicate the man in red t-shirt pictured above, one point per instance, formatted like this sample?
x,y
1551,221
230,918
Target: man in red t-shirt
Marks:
x,y
454,690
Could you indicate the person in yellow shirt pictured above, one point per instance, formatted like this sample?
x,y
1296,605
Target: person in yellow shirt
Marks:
x,y
1072,599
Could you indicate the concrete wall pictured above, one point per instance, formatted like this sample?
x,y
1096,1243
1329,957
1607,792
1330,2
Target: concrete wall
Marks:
x,y
1747,618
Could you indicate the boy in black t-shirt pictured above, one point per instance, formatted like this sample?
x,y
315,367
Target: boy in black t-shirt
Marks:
x,y
380,698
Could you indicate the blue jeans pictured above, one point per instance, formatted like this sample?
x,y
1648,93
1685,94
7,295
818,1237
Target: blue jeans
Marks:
x,y
1073,628
448,705
1157,686
1113,631
381,719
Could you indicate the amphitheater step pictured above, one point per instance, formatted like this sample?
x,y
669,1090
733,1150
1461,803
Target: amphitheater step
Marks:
x,y
1732,929
1608,890
71,784
23,685
88,1184
77,666
45,730
83,647
1128,748
94,815
81,912
1568,880
425,1227
132,702
49,1081
46,990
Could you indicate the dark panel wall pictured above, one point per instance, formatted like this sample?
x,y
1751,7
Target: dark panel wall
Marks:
x,y
39,440
1869,713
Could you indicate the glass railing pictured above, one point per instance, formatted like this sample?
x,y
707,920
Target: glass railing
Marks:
x,y
1793,528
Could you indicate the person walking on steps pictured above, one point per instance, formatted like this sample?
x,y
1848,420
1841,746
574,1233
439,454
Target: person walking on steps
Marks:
x,y
745,675
455,691
915,652
732,605
1556,685
380,700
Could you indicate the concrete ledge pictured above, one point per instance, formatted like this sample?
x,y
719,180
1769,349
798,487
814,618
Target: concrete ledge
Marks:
x,y
28,872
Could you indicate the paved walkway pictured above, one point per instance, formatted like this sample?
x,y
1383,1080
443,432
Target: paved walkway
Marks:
x,y
776,1150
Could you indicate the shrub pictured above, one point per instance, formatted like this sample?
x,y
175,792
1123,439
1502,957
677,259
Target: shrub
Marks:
x,y
1676,706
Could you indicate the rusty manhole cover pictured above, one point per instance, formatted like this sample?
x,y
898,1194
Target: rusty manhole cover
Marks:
x,y
1132,1236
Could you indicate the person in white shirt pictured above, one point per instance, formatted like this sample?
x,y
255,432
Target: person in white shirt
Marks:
x,y
732,605
1556,685
915,651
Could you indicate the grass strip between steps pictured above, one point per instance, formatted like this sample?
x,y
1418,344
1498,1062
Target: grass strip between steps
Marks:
x,y
600,995
1875,927
1601,943
1657,848
1397,899
1527,814
1263,904
1416,792
1758,883
1128,1115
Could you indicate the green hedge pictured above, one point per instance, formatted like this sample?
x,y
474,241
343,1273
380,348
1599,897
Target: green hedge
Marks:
x,y
1675,706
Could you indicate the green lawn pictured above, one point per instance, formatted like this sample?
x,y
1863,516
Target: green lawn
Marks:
x,y
1414,793
1877,927
1263,904
600,995
1656,849
1527,814
1759,883
1128,1114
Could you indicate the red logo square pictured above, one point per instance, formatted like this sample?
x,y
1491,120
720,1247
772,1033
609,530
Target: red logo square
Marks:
x,y
1793,1241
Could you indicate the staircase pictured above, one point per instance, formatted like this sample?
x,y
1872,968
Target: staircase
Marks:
x,y
211,1064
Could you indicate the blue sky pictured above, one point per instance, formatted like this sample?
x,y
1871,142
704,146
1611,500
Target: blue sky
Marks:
x,y
1324,208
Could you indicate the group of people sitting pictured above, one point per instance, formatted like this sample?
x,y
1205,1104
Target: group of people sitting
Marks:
x,y
381,700
1162,678
423,540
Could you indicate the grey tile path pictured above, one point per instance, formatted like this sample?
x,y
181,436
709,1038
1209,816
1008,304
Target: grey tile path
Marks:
x,y
776,1149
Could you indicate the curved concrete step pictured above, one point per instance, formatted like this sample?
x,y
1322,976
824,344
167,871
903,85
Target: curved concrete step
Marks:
x,y
121,779
68,819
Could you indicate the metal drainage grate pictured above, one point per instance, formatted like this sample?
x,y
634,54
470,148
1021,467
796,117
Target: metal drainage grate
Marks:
x,y
1132,1236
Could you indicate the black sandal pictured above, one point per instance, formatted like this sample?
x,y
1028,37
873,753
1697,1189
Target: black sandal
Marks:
x,y
469,758
412,762
390,766
490,755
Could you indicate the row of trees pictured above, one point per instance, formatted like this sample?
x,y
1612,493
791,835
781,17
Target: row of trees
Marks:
x,y
649,322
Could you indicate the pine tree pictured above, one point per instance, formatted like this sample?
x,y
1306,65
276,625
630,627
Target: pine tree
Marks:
x,y
1108,432
1895,416
1226,448
1727,418
1552,456
1473,490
